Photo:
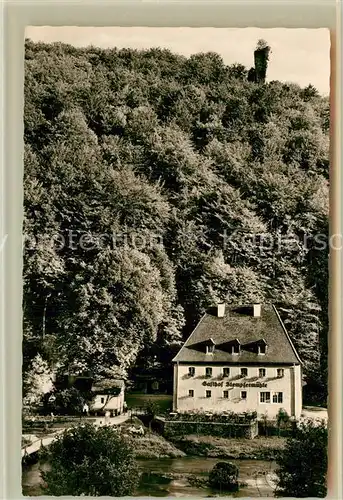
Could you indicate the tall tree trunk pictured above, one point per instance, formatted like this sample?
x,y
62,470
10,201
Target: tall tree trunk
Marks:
x,y
44,314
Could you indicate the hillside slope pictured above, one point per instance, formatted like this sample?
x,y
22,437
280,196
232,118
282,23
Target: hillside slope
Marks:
x,y
156,184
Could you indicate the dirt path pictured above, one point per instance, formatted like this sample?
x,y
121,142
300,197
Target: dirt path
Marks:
x,y
47,440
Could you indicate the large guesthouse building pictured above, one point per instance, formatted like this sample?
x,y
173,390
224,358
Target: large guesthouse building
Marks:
x,y
238,358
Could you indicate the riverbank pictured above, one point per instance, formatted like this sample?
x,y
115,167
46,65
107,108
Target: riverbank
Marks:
x,y
153,445
181,466
188,477
260,448
179,477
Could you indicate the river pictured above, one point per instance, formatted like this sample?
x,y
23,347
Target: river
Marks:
x,y
256,474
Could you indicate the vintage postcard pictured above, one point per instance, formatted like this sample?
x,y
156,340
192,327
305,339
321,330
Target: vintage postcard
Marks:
x,y
176,242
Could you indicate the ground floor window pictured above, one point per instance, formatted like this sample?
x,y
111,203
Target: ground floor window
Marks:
x,y
264,397
244,395
277,397
191,393
226,394
208,394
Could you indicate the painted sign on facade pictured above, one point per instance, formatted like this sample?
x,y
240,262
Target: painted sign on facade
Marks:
x,y
234,384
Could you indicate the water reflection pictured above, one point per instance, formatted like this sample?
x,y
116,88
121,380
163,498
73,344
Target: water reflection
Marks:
x,y
168,477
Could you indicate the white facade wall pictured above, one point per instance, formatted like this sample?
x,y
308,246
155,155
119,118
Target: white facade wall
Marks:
x,y
104,402
298,403
289,385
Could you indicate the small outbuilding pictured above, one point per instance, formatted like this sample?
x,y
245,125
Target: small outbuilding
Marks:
x,y
108,396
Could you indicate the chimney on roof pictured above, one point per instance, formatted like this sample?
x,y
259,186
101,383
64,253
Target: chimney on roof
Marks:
x,y
221,310
256,309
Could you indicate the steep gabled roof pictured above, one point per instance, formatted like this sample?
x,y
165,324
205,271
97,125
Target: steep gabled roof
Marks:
x,y
239,324
108,386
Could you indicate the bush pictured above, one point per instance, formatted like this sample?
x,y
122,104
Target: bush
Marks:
x,y
224,476
303,463
151,409
89,461
227,417
233,424
66,402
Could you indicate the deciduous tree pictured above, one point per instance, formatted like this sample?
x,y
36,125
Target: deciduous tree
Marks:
x,y
303,463
90,461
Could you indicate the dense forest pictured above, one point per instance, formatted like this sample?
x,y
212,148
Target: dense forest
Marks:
x,y
156,185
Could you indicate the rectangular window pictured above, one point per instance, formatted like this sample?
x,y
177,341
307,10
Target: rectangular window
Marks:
x,y
226,372
262,372
191,371
102,400
208,372
208,394
244,395
280,372
264,397
235,349
262,349
210,349
191,393
277,397
226,394
244,372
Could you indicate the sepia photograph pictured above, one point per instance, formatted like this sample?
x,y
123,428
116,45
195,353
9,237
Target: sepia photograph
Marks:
x,y
175,262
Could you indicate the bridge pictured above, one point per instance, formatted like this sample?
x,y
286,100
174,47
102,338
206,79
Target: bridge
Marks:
x,y
35,446
38,443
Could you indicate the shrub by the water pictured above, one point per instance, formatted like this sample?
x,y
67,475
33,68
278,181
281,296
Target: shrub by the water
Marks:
x,y
303,464
224,476
92,462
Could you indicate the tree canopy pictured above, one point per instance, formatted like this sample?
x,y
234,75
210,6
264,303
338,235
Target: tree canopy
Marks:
x,y
303,464
90,461
156,184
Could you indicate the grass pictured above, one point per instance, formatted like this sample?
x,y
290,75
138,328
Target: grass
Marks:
x,y
150,445
155,446
163,401
131,422
261,448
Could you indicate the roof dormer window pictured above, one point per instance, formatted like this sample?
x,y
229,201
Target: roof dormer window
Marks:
x,y
262,347
210,349
209,346
235,348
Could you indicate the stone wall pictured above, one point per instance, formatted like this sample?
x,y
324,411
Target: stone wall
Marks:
x,y
178,428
